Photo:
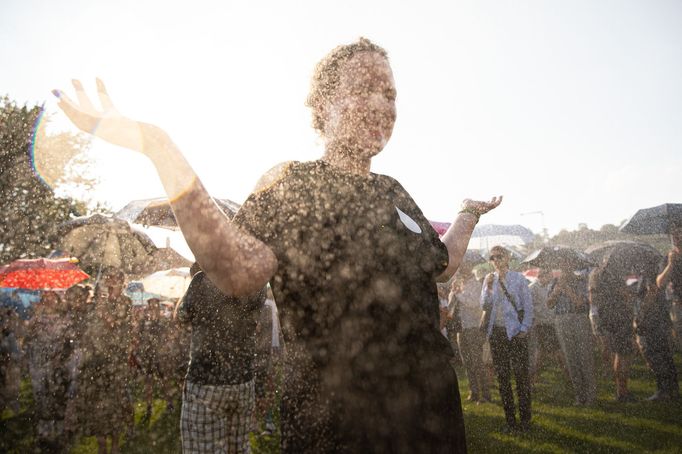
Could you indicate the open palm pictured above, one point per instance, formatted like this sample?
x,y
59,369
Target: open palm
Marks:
x,y
107,124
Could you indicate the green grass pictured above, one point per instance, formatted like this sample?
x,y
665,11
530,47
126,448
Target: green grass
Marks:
x,y
558,426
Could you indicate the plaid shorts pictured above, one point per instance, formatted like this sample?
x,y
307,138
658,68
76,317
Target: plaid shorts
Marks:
x,y
216,418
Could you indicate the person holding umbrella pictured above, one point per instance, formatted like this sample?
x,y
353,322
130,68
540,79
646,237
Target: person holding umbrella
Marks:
x,y
672,274
351,257
569,300
653,335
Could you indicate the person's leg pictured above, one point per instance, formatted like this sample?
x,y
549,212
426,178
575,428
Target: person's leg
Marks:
x,y
621,369
534,352
203,426
239,420
519,362
500,351
480,374
583,338
114,443
658,354
465,344
101,444
565,329
148,396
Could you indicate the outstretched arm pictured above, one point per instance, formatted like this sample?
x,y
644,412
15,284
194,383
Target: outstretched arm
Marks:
x,y
236,262
457,237
667,273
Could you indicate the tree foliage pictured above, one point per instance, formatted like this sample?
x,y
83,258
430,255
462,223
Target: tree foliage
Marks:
x,y
29,207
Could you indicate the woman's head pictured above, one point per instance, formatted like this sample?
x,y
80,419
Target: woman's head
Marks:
x,y
352,97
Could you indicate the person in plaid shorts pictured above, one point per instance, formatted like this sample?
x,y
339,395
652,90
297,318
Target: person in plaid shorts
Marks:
x,y
219,397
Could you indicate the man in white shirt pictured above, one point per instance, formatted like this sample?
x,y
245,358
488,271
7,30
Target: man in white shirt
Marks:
x,y
506,294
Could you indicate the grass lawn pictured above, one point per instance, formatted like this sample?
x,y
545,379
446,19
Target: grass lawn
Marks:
x,y
558,426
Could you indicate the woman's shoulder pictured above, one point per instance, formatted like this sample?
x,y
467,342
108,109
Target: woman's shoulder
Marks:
x,y
274,175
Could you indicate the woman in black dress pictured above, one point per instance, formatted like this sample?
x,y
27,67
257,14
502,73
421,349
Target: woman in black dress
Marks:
x,y
352,261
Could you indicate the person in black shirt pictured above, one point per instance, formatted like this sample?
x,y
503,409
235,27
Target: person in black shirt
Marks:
x,y
219,396
653,336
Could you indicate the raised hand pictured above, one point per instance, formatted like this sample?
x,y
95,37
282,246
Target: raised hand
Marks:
x,y
480,207
107,124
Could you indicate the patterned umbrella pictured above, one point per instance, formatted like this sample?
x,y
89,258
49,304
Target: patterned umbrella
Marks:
x,y
100,241
41,274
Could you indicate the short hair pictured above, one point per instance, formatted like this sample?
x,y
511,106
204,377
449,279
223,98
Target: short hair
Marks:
x,y
499,250
327,76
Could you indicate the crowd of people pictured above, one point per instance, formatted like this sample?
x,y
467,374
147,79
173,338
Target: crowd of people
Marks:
x,y
91,355
565,319
353,265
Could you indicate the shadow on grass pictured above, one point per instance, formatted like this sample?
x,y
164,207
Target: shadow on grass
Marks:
x,y
559,426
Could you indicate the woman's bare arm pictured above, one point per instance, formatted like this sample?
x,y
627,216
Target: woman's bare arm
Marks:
x,y
457,237
236,262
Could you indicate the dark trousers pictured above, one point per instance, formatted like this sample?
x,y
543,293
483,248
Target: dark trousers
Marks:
x,y
659,356
511,356
470,342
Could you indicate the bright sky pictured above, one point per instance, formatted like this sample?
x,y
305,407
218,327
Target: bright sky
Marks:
x,y
569,108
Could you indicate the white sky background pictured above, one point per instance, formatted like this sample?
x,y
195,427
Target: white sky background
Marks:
x,y
572,108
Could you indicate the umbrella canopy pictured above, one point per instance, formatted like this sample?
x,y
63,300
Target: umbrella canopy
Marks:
x,y
158,212
524,234
440,227
658,219
41,274
171,283
165,258
558,257
100,241
472,258
635,250
137,294
625,258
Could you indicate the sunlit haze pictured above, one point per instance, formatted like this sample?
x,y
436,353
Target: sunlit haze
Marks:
x,y
571,109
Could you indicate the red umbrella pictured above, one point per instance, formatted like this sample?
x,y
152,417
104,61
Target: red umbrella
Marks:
x,y
40,274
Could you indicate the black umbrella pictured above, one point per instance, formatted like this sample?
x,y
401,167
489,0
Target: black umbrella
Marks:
x,y
623,258
558,257
101,241
659,219
158,212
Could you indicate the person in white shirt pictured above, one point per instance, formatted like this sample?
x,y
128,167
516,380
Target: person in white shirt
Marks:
x,y
464,298
506,295
543,343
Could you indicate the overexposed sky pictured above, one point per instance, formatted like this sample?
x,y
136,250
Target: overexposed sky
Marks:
x,y
569,108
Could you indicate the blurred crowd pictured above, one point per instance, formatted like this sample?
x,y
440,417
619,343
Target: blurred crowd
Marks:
x,y
91,357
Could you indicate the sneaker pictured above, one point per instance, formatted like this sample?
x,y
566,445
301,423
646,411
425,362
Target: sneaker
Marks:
x,y
658,397
269,429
